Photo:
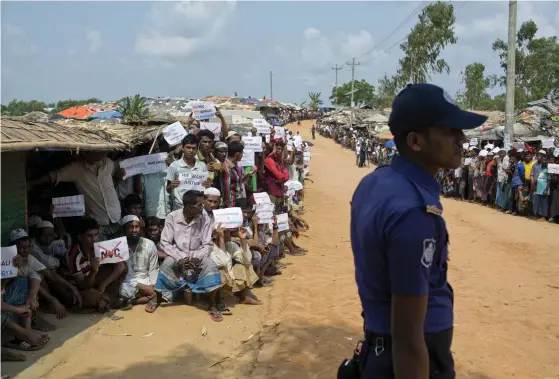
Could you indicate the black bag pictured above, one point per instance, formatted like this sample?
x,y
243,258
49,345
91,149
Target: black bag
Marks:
x,y
349,369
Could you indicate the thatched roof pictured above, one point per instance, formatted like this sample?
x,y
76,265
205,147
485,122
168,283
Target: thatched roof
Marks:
x,y
19,134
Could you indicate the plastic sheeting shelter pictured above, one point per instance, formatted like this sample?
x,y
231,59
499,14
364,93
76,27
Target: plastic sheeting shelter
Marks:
x,y
107,114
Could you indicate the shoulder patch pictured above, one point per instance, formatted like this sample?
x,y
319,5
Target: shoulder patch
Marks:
x,y
433,210
429,247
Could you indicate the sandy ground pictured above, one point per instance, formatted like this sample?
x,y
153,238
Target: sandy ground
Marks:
x,y
505,273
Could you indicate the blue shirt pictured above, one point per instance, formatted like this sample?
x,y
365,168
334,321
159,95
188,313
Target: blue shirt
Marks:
x,y
400,244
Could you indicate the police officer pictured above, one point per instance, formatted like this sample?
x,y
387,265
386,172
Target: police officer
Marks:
x,y
399,241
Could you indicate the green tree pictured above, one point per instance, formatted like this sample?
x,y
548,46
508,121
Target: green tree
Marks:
x,y
315,100
134,109
65,104
387,89
364,94
20,108
432,33
536,64
476,86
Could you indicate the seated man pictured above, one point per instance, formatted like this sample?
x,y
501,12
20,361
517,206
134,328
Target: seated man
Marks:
x,y
48,288
138,287
187,240
98,284
45,247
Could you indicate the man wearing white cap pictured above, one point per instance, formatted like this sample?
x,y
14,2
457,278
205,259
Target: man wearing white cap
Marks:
x,y
143,266
212,198
41,245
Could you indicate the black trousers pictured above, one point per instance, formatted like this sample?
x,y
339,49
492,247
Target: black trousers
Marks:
x,y
376,356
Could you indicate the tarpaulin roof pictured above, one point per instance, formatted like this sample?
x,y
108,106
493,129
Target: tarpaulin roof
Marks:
x,y
107,114
78,112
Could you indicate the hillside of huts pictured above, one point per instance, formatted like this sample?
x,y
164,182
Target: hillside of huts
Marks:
x,y
537,122
36,143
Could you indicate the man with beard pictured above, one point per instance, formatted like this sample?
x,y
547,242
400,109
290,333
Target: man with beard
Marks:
x,y
212,198
400,242
143,268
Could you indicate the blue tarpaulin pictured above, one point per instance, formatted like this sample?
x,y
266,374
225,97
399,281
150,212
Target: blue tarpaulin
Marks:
x,y
390,144
107,114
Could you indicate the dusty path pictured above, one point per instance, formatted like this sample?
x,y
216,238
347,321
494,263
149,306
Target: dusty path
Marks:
x,y
505,272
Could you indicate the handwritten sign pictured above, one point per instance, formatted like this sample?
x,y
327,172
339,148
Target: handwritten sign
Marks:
x,y
145,164
112,251
7,254
174,133
202,110
228,218
262,126
214,127
193,179
253,143
248,158
265,213
68,206
290,145
518,145
280,132
473,142
548,142
262,198
283,222
553,168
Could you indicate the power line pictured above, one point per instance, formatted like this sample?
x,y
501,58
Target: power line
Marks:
x,y
337,69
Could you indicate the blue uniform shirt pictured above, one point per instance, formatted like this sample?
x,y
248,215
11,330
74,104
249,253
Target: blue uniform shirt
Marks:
x,y
399,242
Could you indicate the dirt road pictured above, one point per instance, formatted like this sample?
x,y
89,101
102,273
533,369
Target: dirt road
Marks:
x,y
505,273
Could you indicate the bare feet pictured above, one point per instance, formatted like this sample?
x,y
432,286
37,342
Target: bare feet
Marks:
x,y
11,356
251,301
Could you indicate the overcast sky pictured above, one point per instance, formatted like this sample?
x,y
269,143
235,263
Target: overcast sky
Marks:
x,y
61,50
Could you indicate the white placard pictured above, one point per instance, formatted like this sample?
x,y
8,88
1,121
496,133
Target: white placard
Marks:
x,y
145,164
214,127
306,156
248,158
473,142
465,145
467,161
295,185
262,126
112,251
228,218
283,222
193,179
7,255
518,145
553,168
265,213
548,142
202,110
253,143
280,132
263,130
68,206
174,133
289,145
556,152
267,137
261,198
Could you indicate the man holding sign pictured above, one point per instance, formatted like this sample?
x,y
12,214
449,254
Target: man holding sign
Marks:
x,y
187,173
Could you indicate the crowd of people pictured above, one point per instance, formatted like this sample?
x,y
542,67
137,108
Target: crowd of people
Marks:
x,y
516,181
176,248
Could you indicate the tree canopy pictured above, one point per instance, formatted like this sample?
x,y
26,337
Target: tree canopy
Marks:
x,y
20,108
316,102
134,109
364,94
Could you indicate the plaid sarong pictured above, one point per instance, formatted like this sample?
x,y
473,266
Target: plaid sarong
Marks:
x,y
205,278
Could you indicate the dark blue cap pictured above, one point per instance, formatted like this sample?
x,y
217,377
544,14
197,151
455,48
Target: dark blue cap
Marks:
x,y
420,106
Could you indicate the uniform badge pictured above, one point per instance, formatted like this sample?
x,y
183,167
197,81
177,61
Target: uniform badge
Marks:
x,y
429,246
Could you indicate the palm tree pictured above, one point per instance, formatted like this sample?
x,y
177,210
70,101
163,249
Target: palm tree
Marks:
x,y
315,100
134,109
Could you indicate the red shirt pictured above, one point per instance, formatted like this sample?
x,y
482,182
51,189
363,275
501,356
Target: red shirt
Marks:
x,y
276,175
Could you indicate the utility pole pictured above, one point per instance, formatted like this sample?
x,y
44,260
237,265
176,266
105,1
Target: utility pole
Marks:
x,y
271,88
353,64
337,69
511,63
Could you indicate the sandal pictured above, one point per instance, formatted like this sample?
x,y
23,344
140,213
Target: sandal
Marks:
x,y
152,305
215,315
223,309
25,346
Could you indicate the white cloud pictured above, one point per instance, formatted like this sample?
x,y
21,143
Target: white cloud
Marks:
x,y
316,49
311,33
17,41
182,28
496,26
356,44
94,39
